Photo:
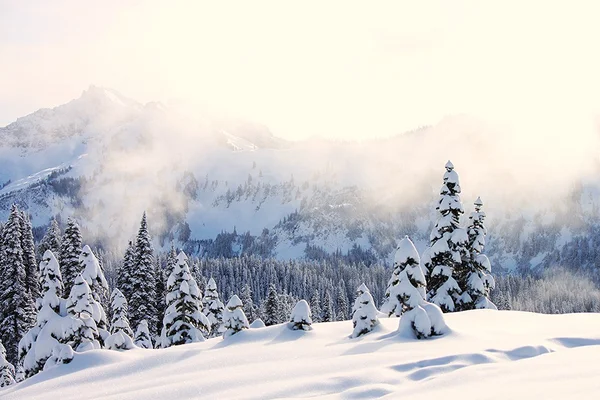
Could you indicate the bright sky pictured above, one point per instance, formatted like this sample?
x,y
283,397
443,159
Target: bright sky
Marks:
x,y
342,69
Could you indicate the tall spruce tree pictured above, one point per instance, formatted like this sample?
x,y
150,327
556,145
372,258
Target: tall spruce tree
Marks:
x,y
142,302
444,257
248,304
51,241
477,279
94,276
315,306
17,310
406,287
342,303
328,310
69,254
31,268
82,306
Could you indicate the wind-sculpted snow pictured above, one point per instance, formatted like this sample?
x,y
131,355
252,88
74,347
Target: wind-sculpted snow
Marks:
x,y
488,354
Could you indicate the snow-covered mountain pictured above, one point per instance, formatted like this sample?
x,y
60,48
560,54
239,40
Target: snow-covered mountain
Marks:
x,y
224,186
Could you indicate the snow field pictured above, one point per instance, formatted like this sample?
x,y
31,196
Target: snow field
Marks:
x,y
487,355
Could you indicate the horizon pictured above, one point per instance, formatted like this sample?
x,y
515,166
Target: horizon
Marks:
x,y
382,71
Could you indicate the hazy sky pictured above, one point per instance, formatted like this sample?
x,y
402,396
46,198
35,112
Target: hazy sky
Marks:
x,y
336,69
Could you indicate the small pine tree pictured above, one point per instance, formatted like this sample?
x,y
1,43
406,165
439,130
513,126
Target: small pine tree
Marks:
x,y
272,307
300,319
141,304
406,287
94,276
69,254
142,335
328,312
51,240
364,314
183,322
120,332
315,306
213,308
7,370
17,309
342,303
82,306
249,309
477,279
234,318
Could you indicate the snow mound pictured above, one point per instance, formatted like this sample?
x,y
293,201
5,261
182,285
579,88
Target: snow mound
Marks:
x,y
495,355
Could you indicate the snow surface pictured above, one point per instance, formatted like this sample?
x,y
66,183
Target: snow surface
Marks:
x,y
487,355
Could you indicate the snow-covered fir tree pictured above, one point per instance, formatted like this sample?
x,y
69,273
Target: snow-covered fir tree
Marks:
x,y
142,335
364,312
342,303
213,308
246,297
120,333
17,309
51,326
315,306
52,240
444,257
93,274
477,280
272,307
300,319
234,318
125,273
29,261
406,287
69,254
7,370
82,306
183,322
328,311
142,302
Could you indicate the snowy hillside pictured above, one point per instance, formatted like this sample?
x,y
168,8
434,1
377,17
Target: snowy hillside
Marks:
x,y
488,355
105,159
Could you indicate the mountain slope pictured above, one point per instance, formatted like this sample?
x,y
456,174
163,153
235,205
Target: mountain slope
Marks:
x,y
105,159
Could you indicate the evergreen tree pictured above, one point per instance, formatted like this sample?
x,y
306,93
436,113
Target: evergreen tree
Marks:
x,y
406,287
94,276
328,312
120,338
125,274
342,303
315,306
29,262
161,291
301,317
141,303
234,318
213,308
477,279
49,342
82,306
183,322
444,257
142,335
69,254
364,313
17,310
7,370
51,240
272,307
246,299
